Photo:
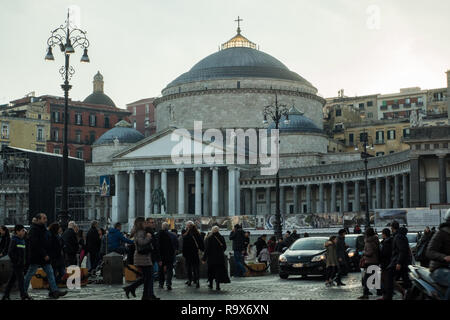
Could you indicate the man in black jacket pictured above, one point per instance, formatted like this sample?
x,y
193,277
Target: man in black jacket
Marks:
x,y
237,236
341,253
385,260
167,254
93,244
17,255
400,260
71,245
438,252
260,244
38,238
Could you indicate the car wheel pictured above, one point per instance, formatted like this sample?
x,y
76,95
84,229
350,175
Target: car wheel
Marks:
x,y
284,275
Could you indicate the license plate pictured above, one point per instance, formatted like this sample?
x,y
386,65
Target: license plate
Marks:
x,y
297,265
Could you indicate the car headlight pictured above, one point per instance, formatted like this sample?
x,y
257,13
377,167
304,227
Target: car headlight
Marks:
x,y
318,258
351,254
282,259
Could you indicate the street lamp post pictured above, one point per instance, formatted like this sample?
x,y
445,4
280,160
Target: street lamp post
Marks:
x,y
67,38
276,112
365,155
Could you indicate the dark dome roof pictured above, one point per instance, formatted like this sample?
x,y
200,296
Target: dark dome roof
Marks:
x,y
297,123
238,62
99,98
123,132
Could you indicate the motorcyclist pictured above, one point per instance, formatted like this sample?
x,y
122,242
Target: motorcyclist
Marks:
x,y
438,252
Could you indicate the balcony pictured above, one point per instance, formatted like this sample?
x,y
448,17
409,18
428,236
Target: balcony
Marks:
x,y
379,141
407,105
395,106
383,108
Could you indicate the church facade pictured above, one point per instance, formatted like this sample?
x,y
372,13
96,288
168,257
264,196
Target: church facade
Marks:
x,y
228,91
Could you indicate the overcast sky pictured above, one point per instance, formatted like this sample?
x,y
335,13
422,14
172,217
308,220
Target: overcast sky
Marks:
x,y
139,46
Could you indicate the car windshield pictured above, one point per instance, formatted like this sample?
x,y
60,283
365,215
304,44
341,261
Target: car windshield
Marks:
x,y
351,241
309,244
412,237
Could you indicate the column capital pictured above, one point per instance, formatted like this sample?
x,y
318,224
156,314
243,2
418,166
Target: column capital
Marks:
x,y
180,169
131,172
147,171
442,156
197,168
162,170
214,168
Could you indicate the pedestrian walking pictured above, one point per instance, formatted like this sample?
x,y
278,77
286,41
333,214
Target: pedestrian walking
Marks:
x,y
168,244
341,253
5,241
17,255
116,240
214,255
260,244
422,245
156,258
439,253
192,245
400,260
93,244
332,261
38,253
71,245
237,237
385,260
143,260
81,246
55,251
280,245
371,257
246,242
264,256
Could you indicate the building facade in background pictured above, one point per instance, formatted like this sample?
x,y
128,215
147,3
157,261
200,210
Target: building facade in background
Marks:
x,y
143,116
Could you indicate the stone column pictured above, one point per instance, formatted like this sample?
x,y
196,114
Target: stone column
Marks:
x,y
442,178
357,206
148,194
131,198
388,192
106,209
308,199
180,190
215,191
321,208
156,185
405,190
254,210
345,192
396,191
198,191
2,208
231,192
414,182
282,201
18,205
92,211
206,194
295,196
378,192
115,200
369,192
164,188
333,197
268,203
237,174
248,201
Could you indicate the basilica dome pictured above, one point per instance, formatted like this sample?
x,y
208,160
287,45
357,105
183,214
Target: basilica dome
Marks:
x,y
121,133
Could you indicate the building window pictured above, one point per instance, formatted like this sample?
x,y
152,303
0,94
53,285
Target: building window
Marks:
x,y
56,117
91,137
378,154
134,111
40,148
363,136
380,136
147,123
351,138
391,134
55,135
369,115
338,112
436,146
406,132
5,131
78,136
417,146
238,84
79,153
369,103
134,124
361,106
427,146
147,109
107,122
92,120
39,116
392,151
40,134
57,150
78,119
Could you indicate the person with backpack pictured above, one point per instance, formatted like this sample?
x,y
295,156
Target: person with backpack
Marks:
x,y
17,255
421,253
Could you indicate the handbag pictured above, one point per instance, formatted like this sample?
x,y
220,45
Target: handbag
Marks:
x,y
199,252
145,249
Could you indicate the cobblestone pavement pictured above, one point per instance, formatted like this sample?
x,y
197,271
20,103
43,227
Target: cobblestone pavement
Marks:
x,y
269,287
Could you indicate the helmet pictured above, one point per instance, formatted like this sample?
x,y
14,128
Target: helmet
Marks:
x,y
447,216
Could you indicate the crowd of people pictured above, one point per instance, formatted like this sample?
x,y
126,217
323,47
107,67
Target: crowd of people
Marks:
x,y
154,253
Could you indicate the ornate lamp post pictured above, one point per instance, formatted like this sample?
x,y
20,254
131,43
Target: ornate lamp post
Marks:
x,y
67,39
365,155
276,112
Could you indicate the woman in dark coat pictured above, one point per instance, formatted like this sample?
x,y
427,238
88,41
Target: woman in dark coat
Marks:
x,y
55,251
214,255
4,242
192,243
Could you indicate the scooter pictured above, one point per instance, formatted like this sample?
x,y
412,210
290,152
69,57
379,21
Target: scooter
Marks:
x,y
423,286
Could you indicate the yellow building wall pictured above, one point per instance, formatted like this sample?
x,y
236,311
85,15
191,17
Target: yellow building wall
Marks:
x,y
23,133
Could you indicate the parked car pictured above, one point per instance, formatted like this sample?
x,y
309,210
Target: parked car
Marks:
x,y
304,257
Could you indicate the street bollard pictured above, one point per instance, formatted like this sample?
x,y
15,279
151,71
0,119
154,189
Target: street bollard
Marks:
x,y
274,266
113,268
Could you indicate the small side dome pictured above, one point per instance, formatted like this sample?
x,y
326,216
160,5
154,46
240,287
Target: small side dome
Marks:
x,y
121,133
297,123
